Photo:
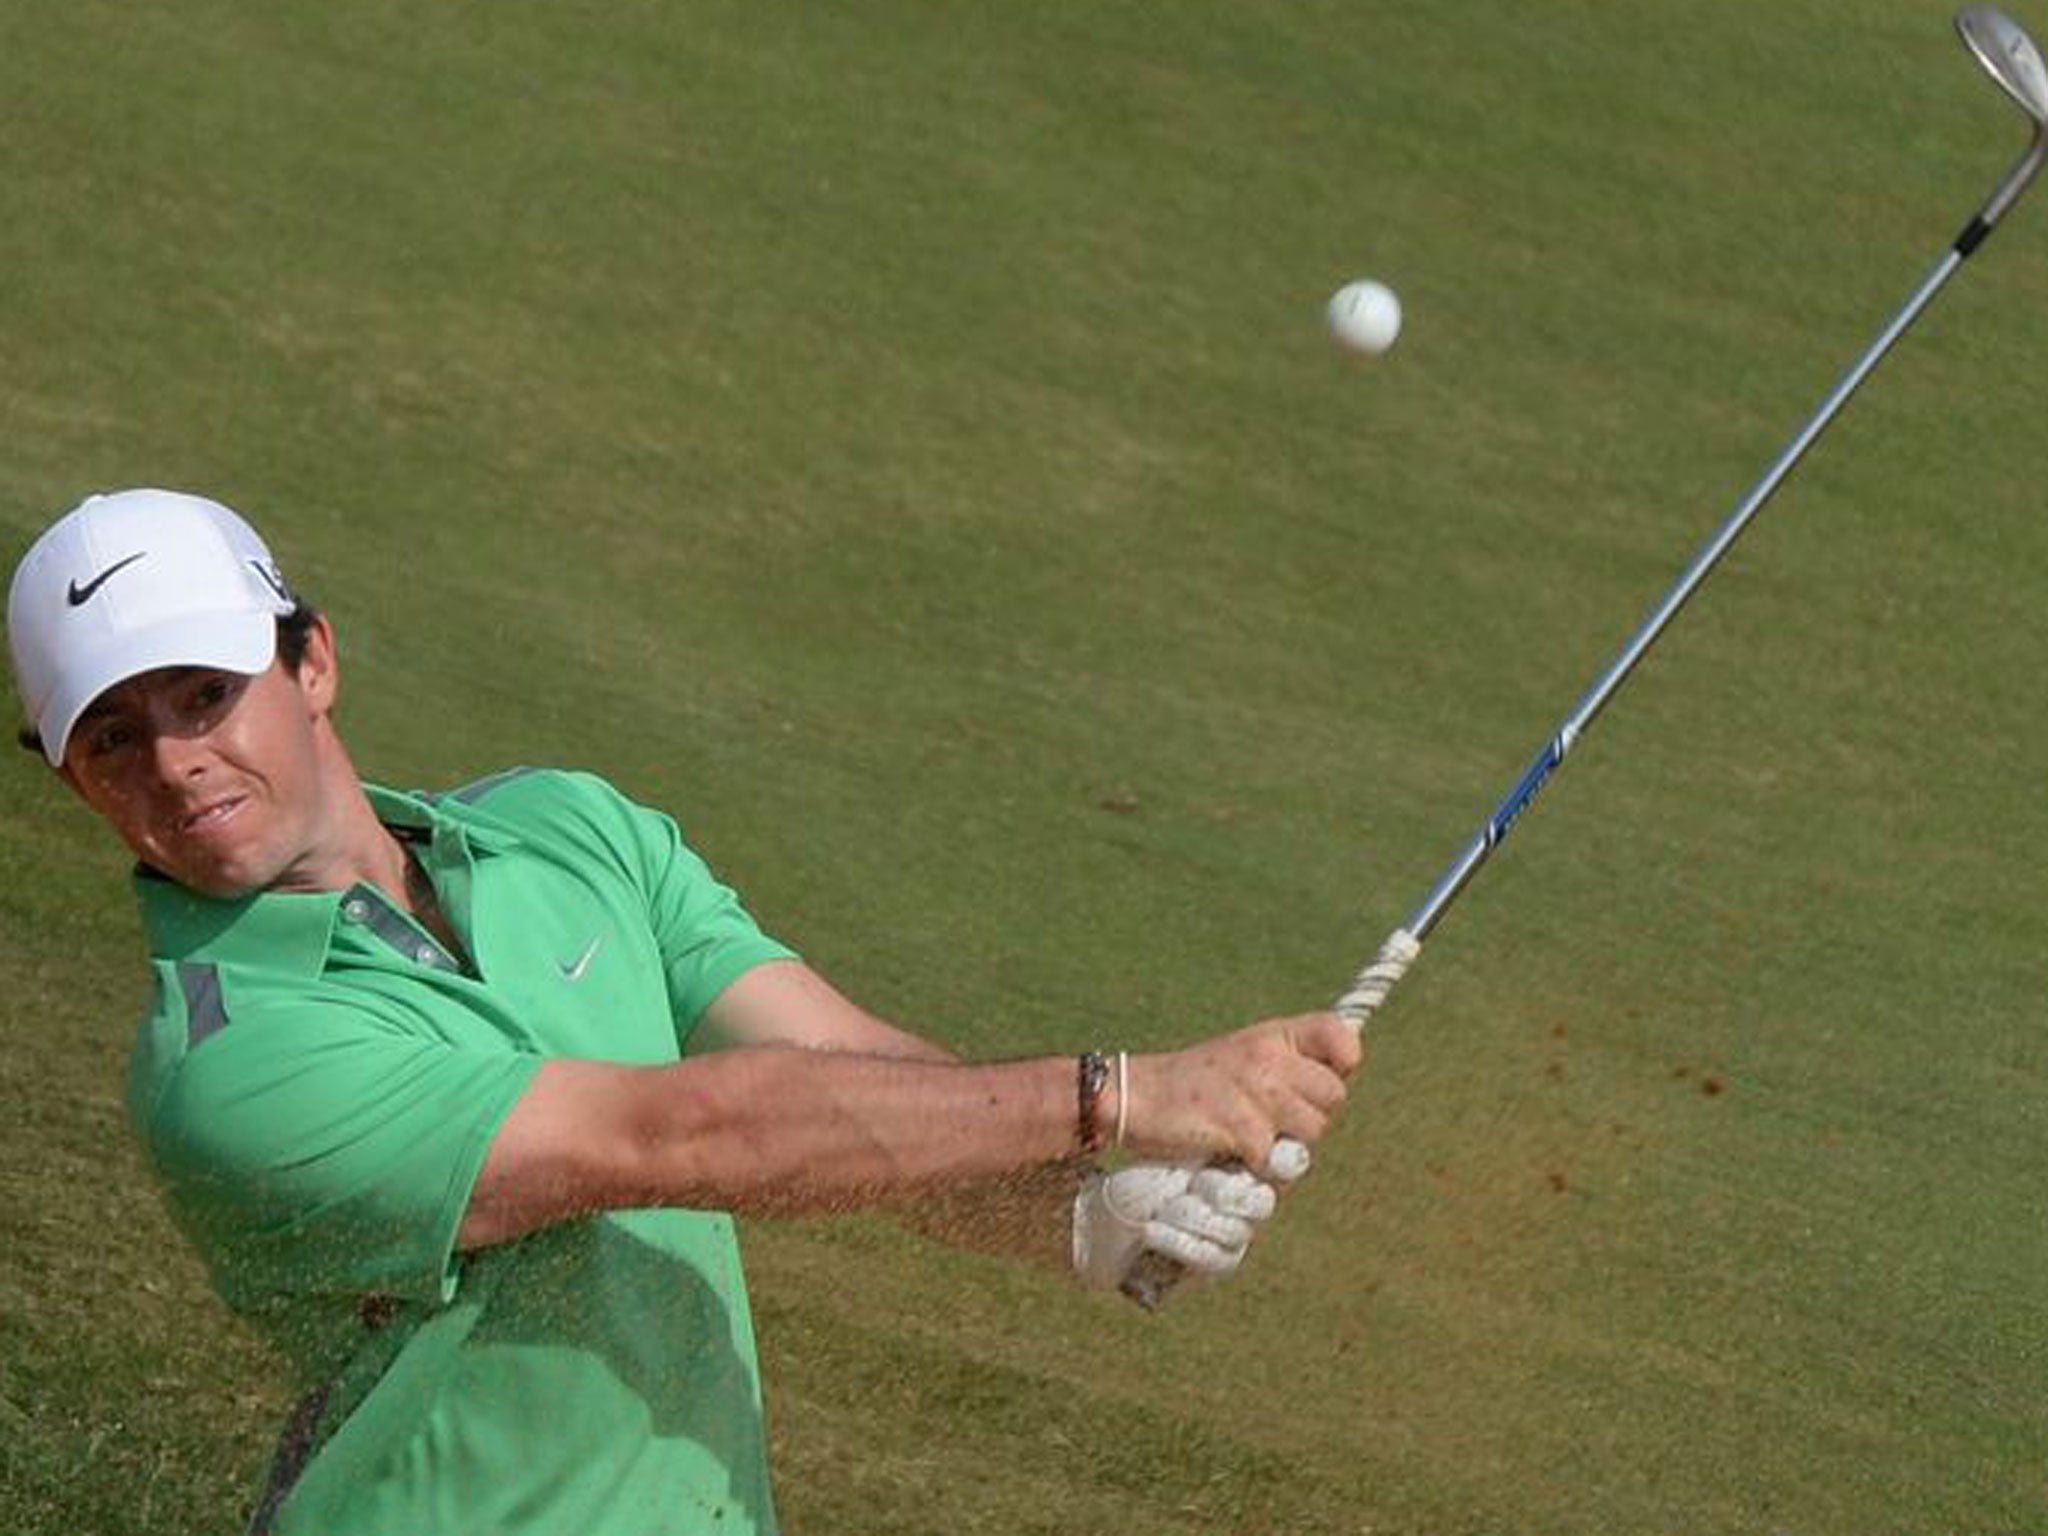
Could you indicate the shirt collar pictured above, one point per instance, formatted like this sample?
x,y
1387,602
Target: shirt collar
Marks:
x,y
291,931
434,818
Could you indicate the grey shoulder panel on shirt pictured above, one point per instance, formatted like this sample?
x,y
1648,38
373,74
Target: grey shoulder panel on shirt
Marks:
x,y
470,794
205,1011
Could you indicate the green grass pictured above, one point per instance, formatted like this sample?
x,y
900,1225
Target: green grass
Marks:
x,y
900,440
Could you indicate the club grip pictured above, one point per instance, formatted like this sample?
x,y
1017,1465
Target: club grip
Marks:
x,y
1152,1275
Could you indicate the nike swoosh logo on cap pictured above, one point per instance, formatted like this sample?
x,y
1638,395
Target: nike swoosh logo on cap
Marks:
x,y
272,579
80,596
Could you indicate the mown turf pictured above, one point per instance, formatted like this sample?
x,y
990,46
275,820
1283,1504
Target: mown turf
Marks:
x,y
900,441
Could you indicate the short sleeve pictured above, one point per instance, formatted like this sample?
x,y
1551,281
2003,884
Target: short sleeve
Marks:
x,y
317,1150
707,938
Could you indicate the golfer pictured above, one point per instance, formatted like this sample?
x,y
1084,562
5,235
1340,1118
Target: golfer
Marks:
x,y
457,1094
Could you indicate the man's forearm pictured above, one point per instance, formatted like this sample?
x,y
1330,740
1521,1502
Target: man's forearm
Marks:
x,y
766,1131
789,1131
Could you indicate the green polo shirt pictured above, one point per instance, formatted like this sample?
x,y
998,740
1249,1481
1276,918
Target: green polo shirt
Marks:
x,y
318,1083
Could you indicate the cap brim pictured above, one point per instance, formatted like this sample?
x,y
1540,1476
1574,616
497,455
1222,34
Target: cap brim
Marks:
x,y
233,642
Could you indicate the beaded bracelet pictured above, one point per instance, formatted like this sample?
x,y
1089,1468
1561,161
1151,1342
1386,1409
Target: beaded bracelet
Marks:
x,y
1091,1071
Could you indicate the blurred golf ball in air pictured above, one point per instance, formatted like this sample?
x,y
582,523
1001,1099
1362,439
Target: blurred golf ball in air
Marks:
x,y
1365,317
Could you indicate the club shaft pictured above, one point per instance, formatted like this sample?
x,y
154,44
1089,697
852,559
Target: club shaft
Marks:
x,y
1497,826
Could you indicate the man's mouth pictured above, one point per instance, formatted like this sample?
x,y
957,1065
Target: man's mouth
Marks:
x,y
208,817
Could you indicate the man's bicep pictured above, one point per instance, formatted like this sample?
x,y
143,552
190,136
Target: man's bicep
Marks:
x,y
785,1002
564,1150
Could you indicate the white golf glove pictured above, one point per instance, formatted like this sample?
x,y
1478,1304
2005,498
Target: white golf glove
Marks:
x,y
1202,1217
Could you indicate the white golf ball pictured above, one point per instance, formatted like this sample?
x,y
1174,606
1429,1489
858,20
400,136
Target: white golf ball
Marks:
x,y
1365,317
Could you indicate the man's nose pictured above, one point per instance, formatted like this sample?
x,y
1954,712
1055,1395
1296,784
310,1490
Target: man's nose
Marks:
x,y
179,755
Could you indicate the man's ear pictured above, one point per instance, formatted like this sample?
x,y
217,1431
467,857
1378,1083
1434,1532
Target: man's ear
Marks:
x,y
319,673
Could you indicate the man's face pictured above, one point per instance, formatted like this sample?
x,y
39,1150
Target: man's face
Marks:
x,y
213,778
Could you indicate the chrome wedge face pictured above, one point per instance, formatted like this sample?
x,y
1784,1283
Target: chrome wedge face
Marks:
x,y
2004,49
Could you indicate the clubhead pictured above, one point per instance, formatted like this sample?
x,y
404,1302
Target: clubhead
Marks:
x,y
2003,47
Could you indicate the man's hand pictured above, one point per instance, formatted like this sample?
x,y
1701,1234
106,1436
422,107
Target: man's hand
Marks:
x,y
1201,1217
1239,1094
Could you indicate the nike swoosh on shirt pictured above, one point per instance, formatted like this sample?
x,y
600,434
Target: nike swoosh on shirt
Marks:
x,y
573,970
79,596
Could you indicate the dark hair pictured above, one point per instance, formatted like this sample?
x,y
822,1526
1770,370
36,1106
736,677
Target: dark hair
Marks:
x,y
294,629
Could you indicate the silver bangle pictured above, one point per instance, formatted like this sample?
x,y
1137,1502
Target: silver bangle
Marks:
x,y
1123,1094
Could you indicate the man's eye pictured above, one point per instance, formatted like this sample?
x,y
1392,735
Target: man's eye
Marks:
x,y
213,693
107,739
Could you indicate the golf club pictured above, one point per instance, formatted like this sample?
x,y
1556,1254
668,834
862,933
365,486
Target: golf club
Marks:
x,y
2005,50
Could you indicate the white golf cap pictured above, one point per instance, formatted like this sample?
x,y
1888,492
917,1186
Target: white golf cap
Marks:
x,y
125,583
